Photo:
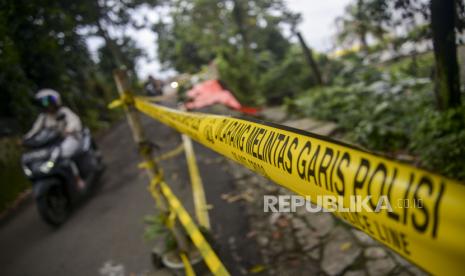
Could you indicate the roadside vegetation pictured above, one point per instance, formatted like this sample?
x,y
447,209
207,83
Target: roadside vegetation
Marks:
x,y
409,106
390,109
13,179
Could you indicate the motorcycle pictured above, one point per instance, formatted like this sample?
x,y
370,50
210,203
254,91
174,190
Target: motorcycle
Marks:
x,y
54,178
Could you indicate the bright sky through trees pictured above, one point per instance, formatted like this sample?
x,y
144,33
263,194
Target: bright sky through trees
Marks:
x,y
317,28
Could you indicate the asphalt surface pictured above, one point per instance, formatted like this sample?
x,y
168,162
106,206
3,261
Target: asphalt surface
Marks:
x,y
108,227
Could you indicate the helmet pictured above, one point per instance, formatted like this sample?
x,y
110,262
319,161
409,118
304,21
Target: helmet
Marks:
x,y
48,97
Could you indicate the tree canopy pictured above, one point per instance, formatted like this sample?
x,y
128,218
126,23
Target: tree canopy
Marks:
x,y
246,39
42,44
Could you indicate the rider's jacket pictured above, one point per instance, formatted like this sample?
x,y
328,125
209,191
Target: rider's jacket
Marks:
x,y
64,120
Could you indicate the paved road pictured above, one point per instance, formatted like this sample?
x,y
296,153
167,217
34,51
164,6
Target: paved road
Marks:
x,y
109,227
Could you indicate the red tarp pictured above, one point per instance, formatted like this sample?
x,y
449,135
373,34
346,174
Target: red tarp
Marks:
x,y
211,92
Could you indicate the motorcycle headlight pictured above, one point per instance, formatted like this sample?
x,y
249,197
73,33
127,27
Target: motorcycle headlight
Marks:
x,y
47,166
27,171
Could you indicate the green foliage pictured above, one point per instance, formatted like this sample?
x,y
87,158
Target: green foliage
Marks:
x,y
362,19
268,81
240,76
439,141
288,77
129,54
420,66
370,112
42,45
155,228
13,180
194,36
385,109
255,59
57,58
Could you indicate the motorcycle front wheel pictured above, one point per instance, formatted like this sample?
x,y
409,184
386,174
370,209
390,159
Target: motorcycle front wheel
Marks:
x,y
54,206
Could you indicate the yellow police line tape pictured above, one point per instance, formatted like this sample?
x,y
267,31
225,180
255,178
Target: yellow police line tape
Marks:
x,y
200,202
177,210
170,154
209,256
430,235
189,270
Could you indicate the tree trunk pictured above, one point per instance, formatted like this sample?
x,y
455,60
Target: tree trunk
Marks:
x,y
443,15
363,39
110,44
310,60
239,14
361,28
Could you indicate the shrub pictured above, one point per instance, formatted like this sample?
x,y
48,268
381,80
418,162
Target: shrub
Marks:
x,y
393,114
13,179
370,114
439,142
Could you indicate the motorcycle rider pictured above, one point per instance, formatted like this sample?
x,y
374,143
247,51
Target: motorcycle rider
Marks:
x,y
55,115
